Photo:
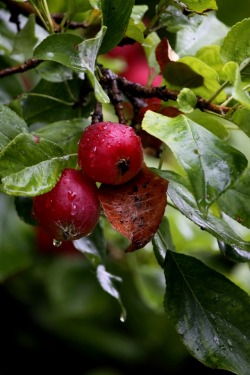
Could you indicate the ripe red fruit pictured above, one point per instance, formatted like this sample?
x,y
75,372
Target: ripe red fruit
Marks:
x,y
110,153
71,209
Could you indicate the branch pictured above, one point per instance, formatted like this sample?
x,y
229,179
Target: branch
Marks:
x,y
135,89
27,65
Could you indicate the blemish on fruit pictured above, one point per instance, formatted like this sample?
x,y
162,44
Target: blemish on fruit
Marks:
x,y
123,165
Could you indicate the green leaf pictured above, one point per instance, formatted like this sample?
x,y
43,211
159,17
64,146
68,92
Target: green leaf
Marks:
x,y
187,100
194,35
77,6
211,56
10,126
65,133
200,6
162,241
116,15
235,202
235,46
136,25
209,312
30,166
62,48
15,241
180,192
210,164
70,50
202,79
24,207
232,70
179,75
241,117
54,72
149,46
212,122
39,110
25,41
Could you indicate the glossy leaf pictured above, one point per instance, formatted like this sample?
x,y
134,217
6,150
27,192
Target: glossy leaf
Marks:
x,y
70,50
30,166
209,30
136,25
43,109
162,241
235,202
210,164
65,133
200,6
180,192
135,209
204,81
235,46
241,117
25,41
209,312
54,72
212,122
187,100
179,74
233,72
76,6
10,126
116,15
211,56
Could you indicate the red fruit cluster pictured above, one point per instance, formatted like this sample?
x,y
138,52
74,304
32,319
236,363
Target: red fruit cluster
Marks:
x,y
108,153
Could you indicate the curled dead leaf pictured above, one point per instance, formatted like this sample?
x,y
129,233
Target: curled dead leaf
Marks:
x,y
135,209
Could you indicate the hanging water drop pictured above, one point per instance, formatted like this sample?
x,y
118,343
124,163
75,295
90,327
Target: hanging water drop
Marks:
x,y
57,243
123,316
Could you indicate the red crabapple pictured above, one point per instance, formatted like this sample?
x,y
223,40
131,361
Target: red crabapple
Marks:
x,y
110,153
71,209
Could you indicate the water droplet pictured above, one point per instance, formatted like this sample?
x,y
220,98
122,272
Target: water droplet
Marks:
x,y
71,195
57,243
94,149
216,339
74,209
123,317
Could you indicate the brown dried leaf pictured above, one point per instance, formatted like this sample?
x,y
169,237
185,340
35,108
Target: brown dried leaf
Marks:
x,y
135,209
164,54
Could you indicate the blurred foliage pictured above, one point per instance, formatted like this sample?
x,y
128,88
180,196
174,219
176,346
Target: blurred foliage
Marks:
x,y
53,310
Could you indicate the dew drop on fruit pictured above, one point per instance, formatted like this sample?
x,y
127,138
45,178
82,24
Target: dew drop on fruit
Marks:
x,y
71,195
57,243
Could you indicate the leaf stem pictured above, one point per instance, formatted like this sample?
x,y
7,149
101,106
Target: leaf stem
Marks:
x,y
24,95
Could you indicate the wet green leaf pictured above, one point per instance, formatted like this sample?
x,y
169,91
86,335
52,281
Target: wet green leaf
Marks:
x,y
116,15
10,126
180,192
210,164
209,312
30,165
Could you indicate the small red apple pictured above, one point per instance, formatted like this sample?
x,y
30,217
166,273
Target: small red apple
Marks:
x,y
137,69
71,209
110,153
